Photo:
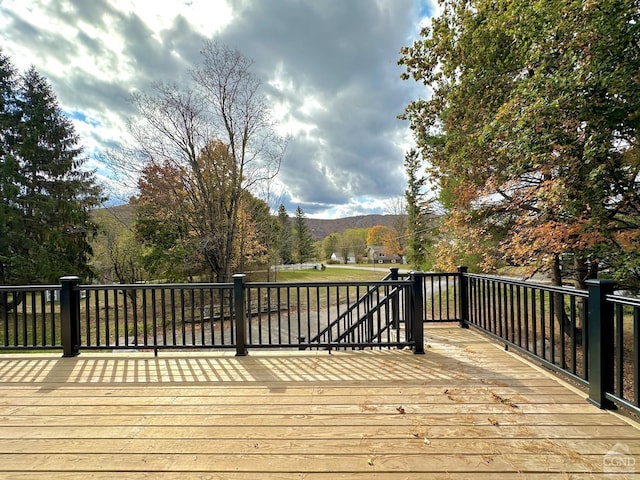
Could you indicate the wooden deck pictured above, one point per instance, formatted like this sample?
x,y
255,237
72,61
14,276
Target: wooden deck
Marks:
x,y
465,409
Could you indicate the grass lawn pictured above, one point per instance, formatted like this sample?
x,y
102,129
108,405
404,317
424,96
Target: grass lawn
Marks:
x,y
333,273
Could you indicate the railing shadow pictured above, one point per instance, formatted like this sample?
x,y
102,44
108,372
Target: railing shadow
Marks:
x,y
454,357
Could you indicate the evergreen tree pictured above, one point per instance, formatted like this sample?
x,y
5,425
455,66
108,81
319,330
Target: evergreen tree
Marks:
x,y
417,212
8,171
46,196
285,241
304,249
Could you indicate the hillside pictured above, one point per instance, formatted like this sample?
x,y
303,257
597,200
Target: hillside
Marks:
x,y
319,228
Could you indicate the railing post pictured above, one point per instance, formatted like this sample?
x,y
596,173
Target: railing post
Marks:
x,y
240,314
70,316
601,342
464,296
394,273
416,323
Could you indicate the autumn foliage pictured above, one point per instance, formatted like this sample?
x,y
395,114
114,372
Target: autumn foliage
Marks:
x,y
531,133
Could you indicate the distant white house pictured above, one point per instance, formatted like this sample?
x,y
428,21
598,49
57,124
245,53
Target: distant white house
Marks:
x,y
377,254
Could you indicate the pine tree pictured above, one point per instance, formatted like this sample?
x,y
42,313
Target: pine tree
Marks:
x,y
46,195
285,242
8,171
417,211
303,240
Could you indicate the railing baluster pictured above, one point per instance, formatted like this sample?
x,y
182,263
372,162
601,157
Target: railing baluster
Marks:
x,y
563,333
519,316
619,349
43,318
154,325
534,321
270,307
543,325
289,332
183,322
636,356
512,315
525,304
107,328
574,333
116,317
125,311
552,322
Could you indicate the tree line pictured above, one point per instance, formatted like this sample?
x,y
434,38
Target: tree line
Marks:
x,y
127,250
153,247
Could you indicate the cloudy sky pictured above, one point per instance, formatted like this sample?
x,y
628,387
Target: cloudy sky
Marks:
x,y
329,66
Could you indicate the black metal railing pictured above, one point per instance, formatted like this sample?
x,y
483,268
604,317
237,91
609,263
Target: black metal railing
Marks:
x,y
368,319
30,317
167,316
590,335
236,315
441,294
328,315
543,321
624,347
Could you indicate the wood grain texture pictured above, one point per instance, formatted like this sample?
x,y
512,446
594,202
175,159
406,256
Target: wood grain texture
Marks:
x,y
465,409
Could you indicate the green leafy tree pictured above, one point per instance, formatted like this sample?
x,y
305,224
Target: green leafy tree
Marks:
x,y
353,243
330,245
529,129
256,232
46,194
9,186
303,244
117,253
182,216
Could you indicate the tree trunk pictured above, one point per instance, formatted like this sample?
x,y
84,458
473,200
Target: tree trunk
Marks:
x,y
561,316
7,306
584,271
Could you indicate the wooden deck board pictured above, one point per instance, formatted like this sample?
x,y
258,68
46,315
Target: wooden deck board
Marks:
x,y
465,409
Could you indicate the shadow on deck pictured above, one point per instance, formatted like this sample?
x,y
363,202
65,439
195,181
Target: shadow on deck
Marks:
x,y
465,409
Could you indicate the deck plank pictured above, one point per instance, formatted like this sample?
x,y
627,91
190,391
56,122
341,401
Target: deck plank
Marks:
x,y
465,409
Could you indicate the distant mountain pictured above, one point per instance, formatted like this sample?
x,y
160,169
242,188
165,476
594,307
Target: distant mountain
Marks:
x,y
319,228
125,213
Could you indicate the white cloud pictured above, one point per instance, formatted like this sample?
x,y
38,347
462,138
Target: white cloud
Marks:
x,y
206,16
329,67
